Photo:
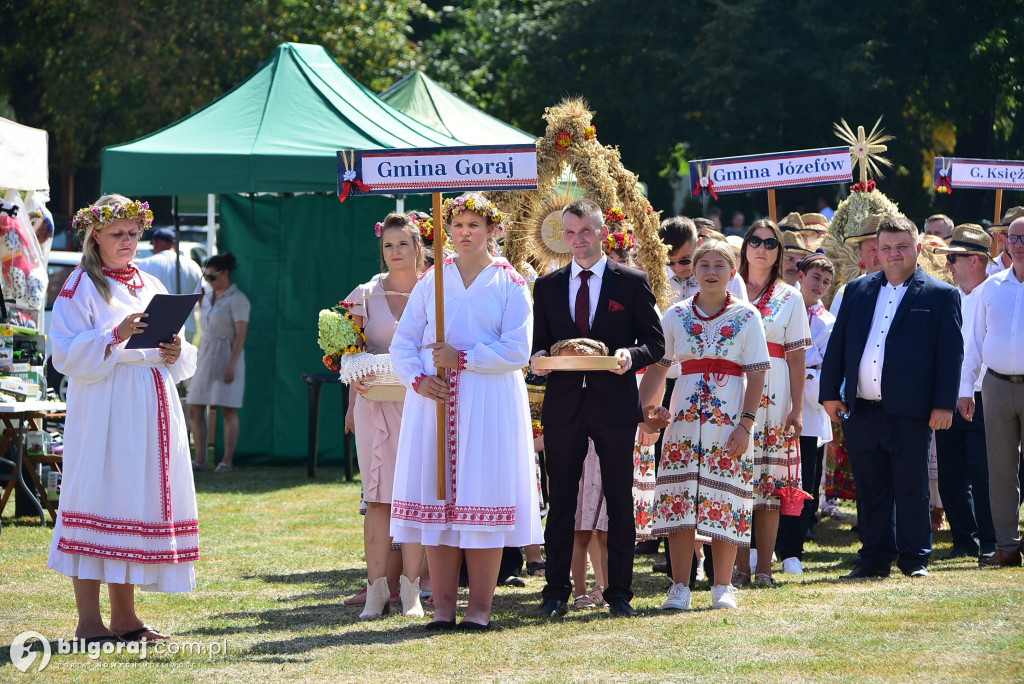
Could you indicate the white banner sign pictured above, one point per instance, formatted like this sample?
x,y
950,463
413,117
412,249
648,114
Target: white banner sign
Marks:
x,y
991,174
437,169
769,171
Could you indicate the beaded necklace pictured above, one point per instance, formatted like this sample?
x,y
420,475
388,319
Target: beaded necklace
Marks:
x,y
693,305
129,277
762,304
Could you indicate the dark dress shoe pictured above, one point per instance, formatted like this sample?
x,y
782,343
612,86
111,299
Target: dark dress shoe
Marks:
x,y
917,573
620,608
552,608
467,626
647,548
440,626
1002,559
860,572
960,553
512,581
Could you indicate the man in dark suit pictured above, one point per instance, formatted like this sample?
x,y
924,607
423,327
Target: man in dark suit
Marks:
x,y
892,371
596,298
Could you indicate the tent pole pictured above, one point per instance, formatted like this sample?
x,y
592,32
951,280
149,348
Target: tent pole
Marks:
x,y
442,422
177,241
211,228
400,204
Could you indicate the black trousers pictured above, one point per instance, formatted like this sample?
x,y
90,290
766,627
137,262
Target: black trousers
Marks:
x,y
792,528
963,482
566,448
889,458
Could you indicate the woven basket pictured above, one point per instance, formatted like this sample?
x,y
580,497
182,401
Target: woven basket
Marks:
x,y
384,387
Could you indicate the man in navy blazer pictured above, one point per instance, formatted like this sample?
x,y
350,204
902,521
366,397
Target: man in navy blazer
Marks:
x,y
596,298
891,371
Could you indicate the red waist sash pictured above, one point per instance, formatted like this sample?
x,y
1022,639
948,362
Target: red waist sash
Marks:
x,y
708,367
776,351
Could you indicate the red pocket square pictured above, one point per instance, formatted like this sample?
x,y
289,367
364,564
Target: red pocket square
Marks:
x,y
615,306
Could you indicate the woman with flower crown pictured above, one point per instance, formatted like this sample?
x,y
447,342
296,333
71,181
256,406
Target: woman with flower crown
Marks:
x,y
705,476
780,414
490,493
128,504
376,307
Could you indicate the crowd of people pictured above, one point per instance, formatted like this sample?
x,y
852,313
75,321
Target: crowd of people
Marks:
x,y
745,395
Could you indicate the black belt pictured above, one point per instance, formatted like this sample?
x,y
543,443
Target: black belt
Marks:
x,y
870,402
1015,379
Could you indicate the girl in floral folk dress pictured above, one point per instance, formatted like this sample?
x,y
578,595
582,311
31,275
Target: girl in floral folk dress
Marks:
x,y
705,476
780,413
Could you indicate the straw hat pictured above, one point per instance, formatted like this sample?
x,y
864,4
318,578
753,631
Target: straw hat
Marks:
x,y
968,238
794,242
1011,215
792,221
736,242
816,222
868,228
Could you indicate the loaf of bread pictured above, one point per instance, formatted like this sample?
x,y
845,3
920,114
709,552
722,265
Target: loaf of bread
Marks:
x,y
579,346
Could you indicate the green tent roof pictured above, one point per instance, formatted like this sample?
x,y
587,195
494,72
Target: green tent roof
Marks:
x,y
277,131
428,102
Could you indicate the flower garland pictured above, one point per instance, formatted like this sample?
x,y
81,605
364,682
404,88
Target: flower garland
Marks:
x,y
338,334
538,429
101,215
590,132
476,204
614,215
563,140
619,241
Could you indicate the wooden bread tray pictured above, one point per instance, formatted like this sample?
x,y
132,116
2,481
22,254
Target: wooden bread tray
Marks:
x,y
576,363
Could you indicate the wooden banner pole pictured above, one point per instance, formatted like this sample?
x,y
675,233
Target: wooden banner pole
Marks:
x,y
999,207
442,420
773,212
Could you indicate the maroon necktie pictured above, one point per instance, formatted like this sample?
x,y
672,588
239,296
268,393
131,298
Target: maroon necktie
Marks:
x,y
583,305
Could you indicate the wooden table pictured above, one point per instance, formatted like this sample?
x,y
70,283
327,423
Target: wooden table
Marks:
x,y
18,419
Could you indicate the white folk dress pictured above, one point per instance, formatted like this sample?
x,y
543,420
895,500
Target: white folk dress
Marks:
x,y
128,503
775,456
700,486
491,491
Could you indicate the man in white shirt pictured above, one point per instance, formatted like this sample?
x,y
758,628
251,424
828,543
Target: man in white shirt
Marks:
x,y
996,341
893,382
680,236
1002,258
962,453
166,265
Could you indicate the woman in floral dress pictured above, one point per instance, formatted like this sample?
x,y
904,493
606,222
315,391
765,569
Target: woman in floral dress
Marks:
x,y
780,414
706,472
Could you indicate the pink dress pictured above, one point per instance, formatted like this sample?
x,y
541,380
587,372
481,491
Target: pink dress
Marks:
x,y
591,508
377,423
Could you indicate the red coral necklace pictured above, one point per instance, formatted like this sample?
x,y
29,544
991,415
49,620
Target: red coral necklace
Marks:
x,y
129,277
762,303
696,312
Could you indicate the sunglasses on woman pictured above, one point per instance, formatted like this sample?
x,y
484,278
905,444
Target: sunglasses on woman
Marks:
x,y
210,277
769,243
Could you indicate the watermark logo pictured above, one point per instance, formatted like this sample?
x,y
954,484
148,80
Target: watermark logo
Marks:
x,y
22,656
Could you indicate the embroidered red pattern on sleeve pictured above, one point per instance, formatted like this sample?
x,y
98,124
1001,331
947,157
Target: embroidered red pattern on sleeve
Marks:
x,y
115,338
463,359
416,383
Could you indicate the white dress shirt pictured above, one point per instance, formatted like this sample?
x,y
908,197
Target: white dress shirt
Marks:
x,y
997,332
684,288
594,283
164,266
1003,262
816,420
968,306
869,375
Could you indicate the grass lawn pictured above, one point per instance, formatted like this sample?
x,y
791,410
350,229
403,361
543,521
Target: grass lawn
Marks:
x,y
281,552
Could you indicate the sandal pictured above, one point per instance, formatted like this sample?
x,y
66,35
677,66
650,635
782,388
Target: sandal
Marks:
x,y
136,634
597,596
740,579
223,467
536,568
764,581
198,467
584,602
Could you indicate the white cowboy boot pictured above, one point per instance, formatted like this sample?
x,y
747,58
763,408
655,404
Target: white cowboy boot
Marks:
x,y
378,599
410,591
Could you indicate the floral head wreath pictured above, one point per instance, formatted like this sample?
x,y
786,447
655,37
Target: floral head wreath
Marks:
x,y
476,204
95,216
616,242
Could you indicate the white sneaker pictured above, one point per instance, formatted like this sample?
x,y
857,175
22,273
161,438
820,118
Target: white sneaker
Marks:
x,y
678,598
793,566
753,558
723,596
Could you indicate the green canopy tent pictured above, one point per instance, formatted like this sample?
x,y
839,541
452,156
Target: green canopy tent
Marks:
x,y
430,103
279,132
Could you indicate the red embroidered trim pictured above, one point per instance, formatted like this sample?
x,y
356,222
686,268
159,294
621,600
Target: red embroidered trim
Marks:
x,y
444,514
463,359
417,381
516,277
115,337
125,553
449,259
124,526
69,292
454,374
164,437
424,274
